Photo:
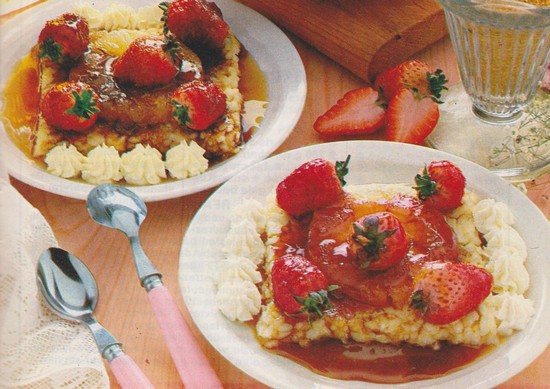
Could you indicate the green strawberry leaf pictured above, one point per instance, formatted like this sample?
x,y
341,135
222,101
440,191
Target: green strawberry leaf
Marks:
x,y
85,106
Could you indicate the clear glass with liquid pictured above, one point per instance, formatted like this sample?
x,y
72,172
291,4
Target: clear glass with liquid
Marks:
x,y
502,49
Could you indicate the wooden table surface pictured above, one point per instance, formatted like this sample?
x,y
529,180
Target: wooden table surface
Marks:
x,y
124,307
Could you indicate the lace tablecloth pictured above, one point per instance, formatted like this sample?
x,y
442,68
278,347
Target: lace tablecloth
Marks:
x,y
37,348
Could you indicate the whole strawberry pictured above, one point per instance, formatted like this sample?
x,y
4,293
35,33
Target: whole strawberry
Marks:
x,y
197,23
447,291
146,62
414,75
382,239
64,39
70,106
198,104
299,286
441,185
359,111
314,185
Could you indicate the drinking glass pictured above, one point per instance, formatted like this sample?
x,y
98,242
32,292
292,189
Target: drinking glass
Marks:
x,y
498,116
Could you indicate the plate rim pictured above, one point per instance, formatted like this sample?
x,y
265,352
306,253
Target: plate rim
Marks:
x,y
501,357
280,118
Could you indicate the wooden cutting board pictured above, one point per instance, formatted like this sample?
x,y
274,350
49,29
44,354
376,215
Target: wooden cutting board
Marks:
x,y
365,36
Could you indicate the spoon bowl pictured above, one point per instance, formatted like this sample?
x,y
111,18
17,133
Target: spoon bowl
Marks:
x,y
116,207
67,285
119,208
71,291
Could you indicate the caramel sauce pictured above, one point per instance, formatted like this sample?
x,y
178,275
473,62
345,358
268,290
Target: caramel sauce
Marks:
x,y
324,238
21,101
380,363
253,84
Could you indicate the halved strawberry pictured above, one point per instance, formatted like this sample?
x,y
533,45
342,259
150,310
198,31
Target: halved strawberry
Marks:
x,y
412,74
64,38
299,286
359,111
147,61
410,117
441,185
382,239
447,291
198,104
313,185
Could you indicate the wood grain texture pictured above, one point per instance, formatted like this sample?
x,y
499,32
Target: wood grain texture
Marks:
x,y
123,306
364,36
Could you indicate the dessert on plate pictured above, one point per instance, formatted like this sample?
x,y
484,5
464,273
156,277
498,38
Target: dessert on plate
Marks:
x,y
136,96
395,282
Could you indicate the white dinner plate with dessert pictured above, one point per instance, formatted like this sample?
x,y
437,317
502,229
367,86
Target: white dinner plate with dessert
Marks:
x,y
273,52
371,162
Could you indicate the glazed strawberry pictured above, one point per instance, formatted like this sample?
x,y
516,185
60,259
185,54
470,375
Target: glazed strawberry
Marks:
x,y
411,74
382,239
441,185
198,104
148,61
447,291
359,111
410,117
197,23
64,38
70,106
315,184
299,286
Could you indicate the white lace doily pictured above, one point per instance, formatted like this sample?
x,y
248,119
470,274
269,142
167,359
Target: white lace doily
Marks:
x,y
37,348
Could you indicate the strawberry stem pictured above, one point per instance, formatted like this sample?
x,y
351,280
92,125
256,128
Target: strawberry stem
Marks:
x,y
425,185
50,48
418,301
316,302
368,235
437,83
84,104
342,169
181,113
164,18
172,47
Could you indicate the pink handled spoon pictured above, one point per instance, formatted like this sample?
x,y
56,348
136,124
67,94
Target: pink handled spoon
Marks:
x,y
71,292
120,208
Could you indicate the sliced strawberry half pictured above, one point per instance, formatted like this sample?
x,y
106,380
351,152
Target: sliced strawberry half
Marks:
x,y
410,117
447,291
359,111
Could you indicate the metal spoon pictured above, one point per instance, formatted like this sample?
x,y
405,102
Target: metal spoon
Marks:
x,y
71,291
120,208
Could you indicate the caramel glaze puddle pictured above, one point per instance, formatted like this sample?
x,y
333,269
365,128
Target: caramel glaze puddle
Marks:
x,y
324,238
380,363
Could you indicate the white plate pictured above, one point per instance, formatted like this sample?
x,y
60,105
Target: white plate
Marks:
x,y
371,162
269,46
